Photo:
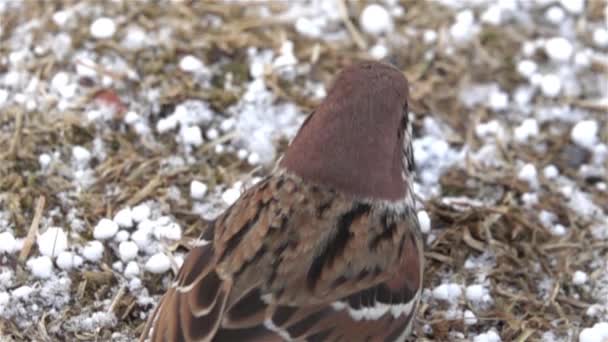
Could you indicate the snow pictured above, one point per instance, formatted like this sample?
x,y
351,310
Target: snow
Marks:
x,y
551,85
492,15
197,190
573,6
121,235
376,20
559,49
600,37
469,317
488,129
212,134
81,155
8,244
253,158
230,195
158,263
61,17
93,251
132,269
579,278
127,250
555,14
124,218
170,230
190,63
41,267
584,133
464,28
499,100
135,38
22,291
191,135
105,229
528,174
52,242
597,333
527,67
447,292
378,51
425,221
68,260
490,336
132,117
527,129
103,28
140,212
429,36
550,171
478,294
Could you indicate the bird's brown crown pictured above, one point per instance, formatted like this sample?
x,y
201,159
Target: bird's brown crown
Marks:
x,y
354,141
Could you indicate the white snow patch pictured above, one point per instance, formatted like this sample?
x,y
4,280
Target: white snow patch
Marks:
x,y
528,174
573,6
197,189
8,244
93,251
140,212
132,269
68,260
124,218
103,28
376,20
584,133
527,129
425,221
41,267
447,292
52,242
158,263
490,336
559,49
579,278
105,229
190,63
551,85
597,333
127,250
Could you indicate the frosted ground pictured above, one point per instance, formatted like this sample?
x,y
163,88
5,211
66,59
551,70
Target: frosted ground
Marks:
x,y
124,125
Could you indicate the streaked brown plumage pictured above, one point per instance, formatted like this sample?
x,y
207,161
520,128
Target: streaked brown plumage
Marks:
x,y
326,248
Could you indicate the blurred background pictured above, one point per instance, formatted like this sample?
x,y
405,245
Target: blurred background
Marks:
x,y
124,123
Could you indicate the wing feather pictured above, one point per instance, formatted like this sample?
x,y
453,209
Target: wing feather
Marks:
x,y
275,269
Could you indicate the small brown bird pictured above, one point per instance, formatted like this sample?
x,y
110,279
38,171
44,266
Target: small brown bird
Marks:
x,y
326,248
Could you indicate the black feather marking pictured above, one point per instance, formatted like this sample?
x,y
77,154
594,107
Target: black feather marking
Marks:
x,y
247,306
282,314
257,333
202,257
387,234
336,245
320,336
323,207
305,324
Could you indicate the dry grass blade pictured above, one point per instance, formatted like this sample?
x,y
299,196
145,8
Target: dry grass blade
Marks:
x,y
33,231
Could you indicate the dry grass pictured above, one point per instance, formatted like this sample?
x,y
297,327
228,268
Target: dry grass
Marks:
x,y
525,252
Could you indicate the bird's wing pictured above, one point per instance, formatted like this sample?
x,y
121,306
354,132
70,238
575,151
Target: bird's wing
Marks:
x,y
294,262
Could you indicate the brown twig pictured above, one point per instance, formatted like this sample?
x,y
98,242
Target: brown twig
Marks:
x,y
33,232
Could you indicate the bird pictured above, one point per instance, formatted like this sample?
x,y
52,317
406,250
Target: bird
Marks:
x,y
327,247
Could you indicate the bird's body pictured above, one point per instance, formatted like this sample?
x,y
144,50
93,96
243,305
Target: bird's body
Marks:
x,y
309,253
